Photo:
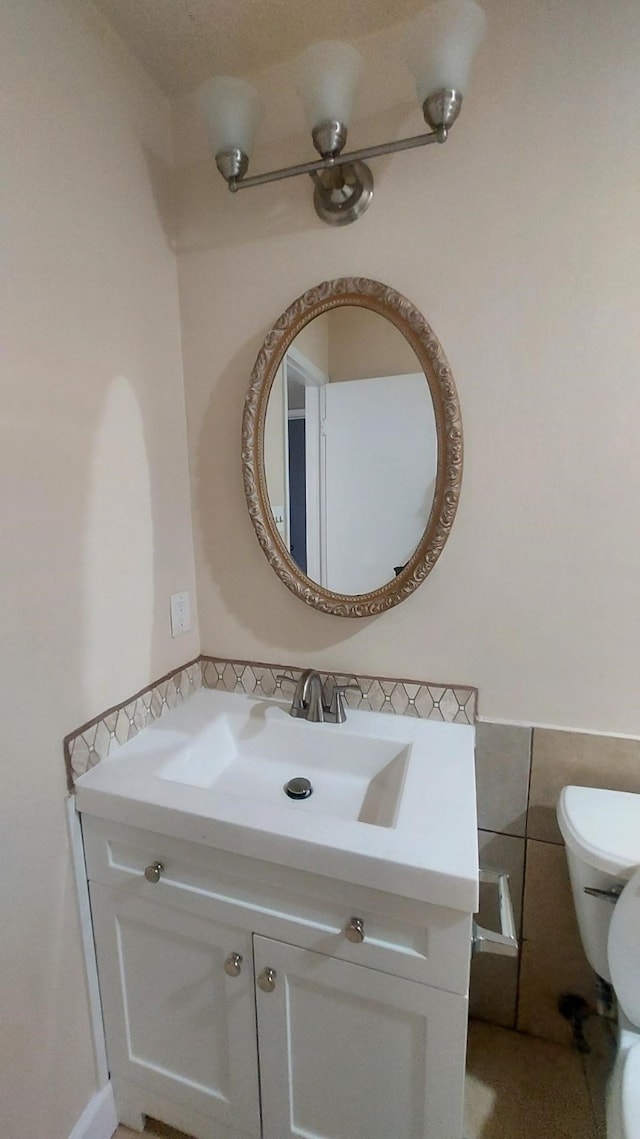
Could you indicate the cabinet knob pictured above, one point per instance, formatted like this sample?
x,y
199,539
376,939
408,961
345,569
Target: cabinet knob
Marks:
x,y
233,964
152,873
267,980
354,931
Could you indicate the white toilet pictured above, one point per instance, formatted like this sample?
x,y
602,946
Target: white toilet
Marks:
x,y
602,832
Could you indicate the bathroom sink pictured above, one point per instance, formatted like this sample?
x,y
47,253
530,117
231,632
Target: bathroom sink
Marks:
x,y
349,776
392,805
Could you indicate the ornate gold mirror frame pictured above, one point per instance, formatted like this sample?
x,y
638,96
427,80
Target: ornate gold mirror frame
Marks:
x,y
387,302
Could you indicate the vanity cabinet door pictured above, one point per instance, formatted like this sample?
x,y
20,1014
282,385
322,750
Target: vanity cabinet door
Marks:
x,y
178,1026
347,1052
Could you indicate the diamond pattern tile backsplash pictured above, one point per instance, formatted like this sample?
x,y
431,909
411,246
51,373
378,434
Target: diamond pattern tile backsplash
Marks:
x,y
94,741
376,693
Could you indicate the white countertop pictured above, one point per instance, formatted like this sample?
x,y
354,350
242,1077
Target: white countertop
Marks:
x,y
430,853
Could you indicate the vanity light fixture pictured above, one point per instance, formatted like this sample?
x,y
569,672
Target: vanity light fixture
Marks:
x,y
439,48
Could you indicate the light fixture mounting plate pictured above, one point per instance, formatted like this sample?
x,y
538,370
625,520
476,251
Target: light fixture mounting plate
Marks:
x,y
343,204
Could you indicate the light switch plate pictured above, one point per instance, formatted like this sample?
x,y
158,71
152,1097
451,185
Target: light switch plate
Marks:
x,y
180,613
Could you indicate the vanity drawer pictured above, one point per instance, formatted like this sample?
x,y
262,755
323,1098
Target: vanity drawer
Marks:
x,y
430,944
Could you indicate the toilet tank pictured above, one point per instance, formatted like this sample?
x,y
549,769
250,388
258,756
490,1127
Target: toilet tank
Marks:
x,y
601,830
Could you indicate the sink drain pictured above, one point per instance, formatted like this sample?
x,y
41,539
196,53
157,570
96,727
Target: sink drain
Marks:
x,y
298,788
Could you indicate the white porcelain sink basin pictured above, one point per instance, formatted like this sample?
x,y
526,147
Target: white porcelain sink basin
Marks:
x,y
352,777
393,804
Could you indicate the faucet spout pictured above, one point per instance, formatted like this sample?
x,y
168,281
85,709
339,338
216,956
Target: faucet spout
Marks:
x,y
307,698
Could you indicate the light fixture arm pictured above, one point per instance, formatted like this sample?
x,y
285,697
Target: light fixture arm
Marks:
x,y
439,135
343,183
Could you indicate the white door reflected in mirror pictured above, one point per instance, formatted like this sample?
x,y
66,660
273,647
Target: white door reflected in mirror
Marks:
x,y
350,450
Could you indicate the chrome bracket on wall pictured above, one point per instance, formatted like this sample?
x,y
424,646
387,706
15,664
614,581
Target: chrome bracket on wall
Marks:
x,y
608,895
504,943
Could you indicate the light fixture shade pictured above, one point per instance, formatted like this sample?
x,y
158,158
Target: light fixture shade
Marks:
x,y
326,77
232,109
441,43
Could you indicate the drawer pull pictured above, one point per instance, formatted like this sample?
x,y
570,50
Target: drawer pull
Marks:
x,y
267,980
152,873
354,931
233,964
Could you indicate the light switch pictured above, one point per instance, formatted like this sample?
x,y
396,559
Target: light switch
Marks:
x,y
180,613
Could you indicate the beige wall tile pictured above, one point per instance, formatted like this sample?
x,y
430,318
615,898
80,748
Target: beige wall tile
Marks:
x,y
544,976
553,961
502,775
564,758
501,852
494,980
493,991
548,901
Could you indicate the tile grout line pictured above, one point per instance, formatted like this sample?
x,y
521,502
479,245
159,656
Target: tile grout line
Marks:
x,y
524,883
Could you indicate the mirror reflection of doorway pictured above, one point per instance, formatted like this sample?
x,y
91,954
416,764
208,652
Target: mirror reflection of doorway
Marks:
x,y
303,388
350,458
359,464
297,490
379,477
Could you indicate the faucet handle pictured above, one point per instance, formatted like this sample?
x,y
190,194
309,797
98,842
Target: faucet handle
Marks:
x,y
335,709
290,679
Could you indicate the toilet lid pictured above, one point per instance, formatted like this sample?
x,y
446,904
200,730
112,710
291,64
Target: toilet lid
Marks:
x,y
624,949
602,827
631,1093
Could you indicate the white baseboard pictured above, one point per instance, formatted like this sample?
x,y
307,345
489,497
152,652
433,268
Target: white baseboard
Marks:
x,y
99,1119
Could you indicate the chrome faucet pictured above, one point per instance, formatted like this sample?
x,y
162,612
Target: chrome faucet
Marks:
x,y
309,702
308,697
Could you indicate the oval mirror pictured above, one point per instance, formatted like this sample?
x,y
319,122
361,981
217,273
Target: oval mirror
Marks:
x,y
352,447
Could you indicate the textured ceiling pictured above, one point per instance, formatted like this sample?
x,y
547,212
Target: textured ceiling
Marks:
x,y
183,42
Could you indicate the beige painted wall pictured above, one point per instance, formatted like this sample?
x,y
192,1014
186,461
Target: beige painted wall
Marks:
x,y
363,344
519,242
313,342
94,493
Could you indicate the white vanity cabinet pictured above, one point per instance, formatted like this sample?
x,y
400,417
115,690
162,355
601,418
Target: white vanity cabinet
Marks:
x,y
177,1024
350,1053
239,1002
